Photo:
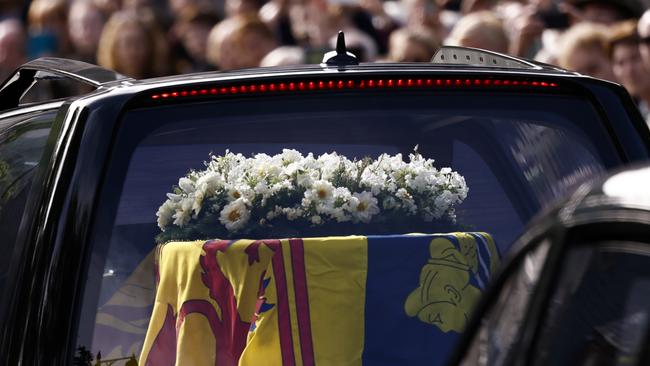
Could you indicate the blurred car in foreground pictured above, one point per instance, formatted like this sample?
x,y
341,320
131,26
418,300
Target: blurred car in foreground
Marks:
x,y
89,179
576,290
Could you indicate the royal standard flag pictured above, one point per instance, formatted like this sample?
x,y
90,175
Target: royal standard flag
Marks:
x,y
376,300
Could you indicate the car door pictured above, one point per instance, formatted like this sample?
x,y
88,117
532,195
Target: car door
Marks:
x,y
24,136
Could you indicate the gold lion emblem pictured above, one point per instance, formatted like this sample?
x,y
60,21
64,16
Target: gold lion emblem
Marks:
x,y
444,296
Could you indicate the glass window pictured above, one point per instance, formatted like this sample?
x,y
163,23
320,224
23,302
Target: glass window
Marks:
x,y
486,139
502,324
599,311
22,141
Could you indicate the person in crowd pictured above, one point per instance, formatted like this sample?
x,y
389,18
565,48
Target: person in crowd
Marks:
x,y
276,14
239,42
85,25
471,6
314,23
603,11
132,46
480,30
108,7
628,65
412,45
242,7
48,29
284,56
425,14
643,29
10,9
190,34
524,23
139,6
583,48
12,46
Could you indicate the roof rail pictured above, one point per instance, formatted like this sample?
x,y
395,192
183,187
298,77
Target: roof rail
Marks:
x,y
19,83
479,57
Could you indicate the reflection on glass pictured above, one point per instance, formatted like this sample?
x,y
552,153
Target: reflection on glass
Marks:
x,y
502,325
599,311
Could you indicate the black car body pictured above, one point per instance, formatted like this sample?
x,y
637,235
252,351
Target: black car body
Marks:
x,y
66,203
574,291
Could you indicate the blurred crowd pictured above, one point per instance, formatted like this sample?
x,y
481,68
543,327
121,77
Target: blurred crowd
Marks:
x,y
609,39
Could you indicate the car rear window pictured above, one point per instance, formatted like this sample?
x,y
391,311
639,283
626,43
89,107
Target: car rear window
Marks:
x,y
516,154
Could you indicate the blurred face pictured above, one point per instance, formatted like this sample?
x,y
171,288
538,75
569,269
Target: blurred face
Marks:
x,y
601,13
423,13
238,7
137,4
410,52
195,40
629,69
109,6
591,61
644,33
177,5
12,51
478,39
245,52
85,23
132,49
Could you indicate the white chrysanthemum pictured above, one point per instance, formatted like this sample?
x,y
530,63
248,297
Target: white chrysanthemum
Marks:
x,y
235,215
322,190
239,191
316,220
363,206
165,213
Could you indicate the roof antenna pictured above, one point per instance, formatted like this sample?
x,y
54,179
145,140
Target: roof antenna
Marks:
x,y
341,57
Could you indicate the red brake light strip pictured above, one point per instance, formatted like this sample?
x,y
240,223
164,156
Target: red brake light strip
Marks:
x,y
310,85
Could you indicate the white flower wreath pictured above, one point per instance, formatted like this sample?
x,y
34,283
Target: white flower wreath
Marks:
x,y
239,195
